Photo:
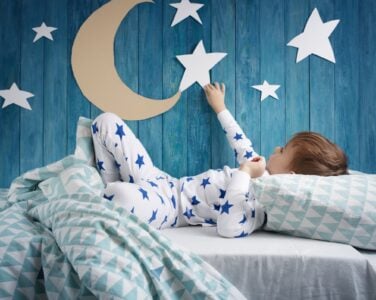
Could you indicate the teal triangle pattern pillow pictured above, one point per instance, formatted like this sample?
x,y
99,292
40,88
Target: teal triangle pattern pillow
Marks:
x,y
335,208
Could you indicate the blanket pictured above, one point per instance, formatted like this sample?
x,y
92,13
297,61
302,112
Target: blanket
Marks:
x,y
60,239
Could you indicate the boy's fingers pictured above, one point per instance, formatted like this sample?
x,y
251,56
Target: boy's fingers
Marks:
x,y
223,87
216,85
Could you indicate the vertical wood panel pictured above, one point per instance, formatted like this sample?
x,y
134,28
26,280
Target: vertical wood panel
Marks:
x,y
322,101
223,40
55,83
272,42
78,105
247,103
199,119
297,74
10,35
175,120
367,128
347,79
126,55
150,74
95,111
32,62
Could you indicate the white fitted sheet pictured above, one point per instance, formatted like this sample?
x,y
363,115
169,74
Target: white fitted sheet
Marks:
x,y
271,266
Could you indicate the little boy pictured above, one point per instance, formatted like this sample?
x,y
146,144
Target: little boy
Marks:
x,y
221,197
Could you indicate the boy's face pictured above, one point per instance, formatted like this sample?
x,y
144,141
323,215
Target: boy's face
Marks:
x,y
279,161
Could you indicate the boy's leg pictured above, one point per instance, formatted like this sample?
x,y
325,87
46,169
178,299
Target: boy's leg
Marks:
x,y
145,201
119,154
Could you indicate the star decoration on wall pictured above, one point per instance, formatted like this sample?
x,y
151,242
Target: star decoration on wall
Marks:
x,y
197,66
16,96
186,9
43,31
267,90
315,38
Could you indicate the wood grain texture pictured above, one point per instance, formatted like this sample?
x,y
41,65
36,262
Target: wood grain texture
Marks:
x,y
223,33
200,113
272,60
55,83
174,143
32,62
336,100
367,82
322,80
10,62
150,74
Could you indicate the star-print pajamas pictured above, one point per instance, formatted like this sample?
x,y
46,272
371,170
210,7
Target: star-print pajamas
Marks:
x,y
221,197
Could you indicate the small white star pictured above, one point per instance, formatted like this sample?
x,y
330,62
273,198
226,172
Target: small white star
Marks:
x,y
16,96
43,31
186,9
197,66
267,90
315,38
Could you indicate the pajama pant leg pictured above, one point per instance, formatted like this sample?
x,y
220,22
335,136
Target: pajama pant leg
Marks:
x,y
132,181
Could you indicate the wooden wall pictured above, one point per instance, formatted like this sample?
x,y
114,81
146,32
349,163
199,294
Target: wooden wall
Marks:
x,y
337,100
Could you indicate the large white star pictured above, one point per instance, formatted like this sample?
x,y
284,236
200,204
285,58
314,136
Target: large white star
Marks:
x,y
15,96
43,31
197,66
186,9
267,90
315,38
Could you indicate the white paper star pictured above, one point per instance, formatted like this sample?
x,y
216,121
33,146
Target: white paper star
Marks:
x,y
43,31
16,96
315,38
267,90
197,66
186,9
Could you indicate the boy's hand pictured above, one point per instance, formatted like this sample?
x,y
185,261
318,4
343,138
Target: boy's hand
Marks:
x,y
255,167
215,95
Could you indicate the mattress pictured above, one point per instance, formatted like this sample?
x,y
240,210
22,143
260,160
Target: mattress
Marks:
x,y
270,266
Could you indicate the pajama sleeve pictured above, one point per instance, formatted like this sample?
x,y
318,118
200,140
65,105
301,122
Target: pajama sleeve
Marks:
x,y
241,145
237,216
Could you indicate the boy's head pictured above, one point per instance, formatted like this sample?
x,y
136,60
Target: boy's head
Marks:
x,y
308,153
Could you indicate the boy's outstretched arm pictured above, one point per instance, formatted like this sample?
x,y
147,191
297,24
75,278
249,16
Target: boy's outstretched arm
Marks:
x,y
215,95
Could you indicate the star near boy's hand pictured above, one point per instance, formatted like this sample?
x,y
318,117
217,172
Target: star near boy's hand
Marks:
x,y
215,94
255,167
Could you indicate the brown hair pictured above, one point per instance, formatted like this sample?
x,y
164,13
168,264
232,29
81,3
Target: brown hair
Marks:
x,y
316,155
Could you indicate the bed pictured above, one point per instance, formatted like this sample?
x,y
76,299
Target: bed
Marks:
x,y
60,239
270,265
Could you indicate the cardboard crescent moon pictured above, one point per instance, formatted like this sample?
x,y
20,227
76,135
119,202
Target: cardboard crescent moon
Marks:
x,y
93,65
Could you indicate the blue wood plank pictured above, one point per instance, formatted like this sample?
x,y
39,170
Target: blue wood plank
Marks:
x,y
346,42
55,78
78,105
322,80
10,36
95,111
223,40
297,74
248,106
175,120
272,43
150,74
367,79
32,62
126,55
200,113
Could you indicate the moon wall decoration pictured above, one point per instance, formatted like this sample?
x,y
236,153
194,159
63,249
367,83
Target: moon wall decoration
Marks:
x,y
93,66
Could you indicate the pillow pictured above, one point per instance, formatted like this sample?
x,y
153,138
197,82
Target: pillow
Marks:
x,y
84,142
336,208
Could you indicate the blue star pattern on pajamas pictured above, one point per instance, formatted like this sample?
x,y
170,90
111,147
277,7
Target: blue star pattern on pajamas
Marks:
x,y
144,193
119,131
140,160
217,197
